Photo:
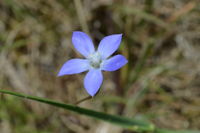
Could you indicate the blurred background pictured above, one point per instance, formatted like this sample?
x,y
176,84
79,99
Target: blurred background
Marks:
x,y
161,82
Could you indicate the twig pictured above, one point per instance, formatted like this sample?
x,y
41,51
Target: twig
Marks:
x,y
184,10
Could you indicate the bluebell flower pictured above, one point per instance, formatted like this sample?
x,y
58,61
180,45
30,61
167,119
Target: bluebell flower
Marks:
x,y
95,61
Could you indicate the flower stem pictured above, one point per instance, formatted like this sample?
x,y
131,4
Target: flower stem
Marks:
x,y
82,100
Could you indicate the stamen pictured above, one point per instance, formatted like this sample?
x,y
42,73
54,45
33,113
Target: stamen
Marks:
x,y
95,60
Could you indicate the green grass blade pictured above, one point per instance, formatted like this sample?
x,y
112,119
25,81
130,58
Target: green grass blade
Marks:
x,y
124,122
131,124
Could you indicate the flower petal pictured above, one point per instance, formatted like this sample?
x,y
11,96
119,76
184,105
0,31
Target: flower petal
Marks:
x,y
114,63
93,81
82,43
109,45
74,66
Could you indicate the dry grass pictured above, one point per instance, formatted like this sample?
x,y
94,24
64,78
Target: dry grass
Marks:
x,y
160,83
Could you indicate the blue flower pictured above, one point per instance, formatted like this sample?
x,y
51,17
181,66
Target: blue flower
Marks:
x,y
95,61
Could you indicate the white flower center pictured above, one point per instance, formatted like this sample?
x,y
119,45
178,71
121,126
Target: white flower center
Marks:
x,y
95,60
